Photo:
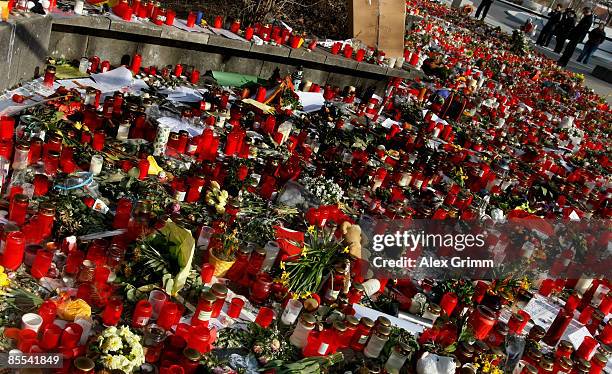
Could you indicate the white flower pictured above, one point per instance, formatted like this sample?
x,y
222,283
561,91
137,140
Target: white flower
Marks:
x,y
112,344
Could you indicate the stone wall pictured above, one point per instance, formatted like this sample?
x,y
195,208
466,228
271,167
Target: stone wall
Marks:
x,y
36,37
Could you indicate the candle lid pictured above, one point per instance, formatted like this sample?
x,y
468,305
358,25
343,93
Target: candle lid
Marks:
x,y
605,349
308,320
383,321
519,317
351,321
501,328
208,296
21,198
219,289
339,326
192,354
565,363
601,358
566,345
383,331
480,346
582,365
367,322
51,68
530,369
84,364
434,308
546,364
536,333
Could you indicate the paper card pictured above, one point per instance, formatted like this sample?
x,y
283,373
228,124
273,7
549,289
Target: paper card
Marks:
x,y
114,79
100,206
362,311
388,123
578,336
542,313
311,101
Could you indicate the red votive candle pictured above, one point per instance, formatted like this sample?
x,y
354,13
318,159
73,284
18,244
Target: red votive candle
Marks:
x,y
235,307
335,49
248,33
170,15
558,327
261,94
449,302
7,127
572,303
606,334
42,263
586,348
517,323
47,311
191,19
481,321
261,288
194,78
112,312
18,209
207,272
73,262
98,140
360,55
50,337
123,214
199,339
264,317
348,51
142,314
178,70
127,14
136,62
143,168
168,315
218,23
71,335
13,250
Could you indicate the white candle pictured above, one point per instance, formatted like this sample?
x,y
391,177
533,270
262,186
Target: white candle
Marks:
x,y
31,321
583,285
95,166
78,7
291,312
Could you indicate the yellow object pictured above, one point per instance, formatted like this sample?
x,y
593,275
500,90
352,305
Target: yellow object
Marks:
x,y
182,251
69,310
154,168
5,10
221,266
263,107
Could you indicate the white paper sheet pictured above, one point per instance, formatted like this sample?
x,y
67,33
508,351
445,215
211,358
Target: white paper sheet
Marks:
x,y
311,101
113,80
362,311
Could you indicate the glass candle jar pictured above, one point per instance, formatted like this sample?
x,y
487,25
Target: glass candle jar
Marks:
x,y
398,356
362,334
376,342
235,307
432,312
352,323
199,339
299,336
168,316
95,165
123,214
481,322
14,249
50,337
498,335
448,303
220,292
516,324
581,366
536,333
598,363
572,302
157,298
83,365
112,312
261,288
558,327
533,356
142,314
153,343
190,360
546,366
71,335
21,156
593,323
52,163
586,348
42,263
18,209
564,349
49,78
563,365
204,309
465,353
264,317
98,140
46,216
291,311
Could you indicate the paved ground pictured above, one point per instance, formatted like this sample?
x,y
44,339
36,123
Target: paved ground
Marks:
x,y
498,16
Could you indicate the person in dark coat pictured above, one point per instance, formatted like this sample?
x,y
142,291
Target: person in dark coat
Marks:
x,y
568,21
484,8
596,37
576,36
547,31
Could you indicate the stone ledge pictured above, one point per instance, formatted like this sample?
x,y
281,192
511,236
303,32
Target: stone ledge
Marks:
x,y
135,28
371,68
92,22
340,61
306,55
272,50
223,42
184,36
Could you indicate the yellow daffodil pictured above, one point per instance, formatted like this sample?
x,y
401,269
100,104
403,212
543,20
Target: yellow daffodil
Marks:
x,y
311,229
282,265
346,249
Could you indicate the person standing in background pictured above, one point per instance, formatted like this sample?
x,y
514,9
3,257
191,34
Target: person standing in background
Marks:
x,y
547,31
484,8
568,20
576,36
596,37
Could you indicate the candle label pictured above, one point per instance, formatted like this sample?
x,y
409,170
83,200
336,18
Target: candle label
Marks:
x,y
363,339
204,315
323,348
100,206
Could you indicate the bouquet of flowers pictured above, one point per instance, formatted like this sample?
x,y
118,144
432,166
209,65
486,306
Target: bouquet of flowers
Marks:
x,y
119,349
325,190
